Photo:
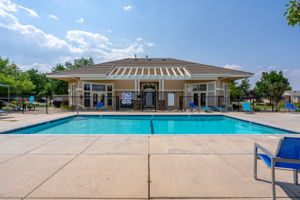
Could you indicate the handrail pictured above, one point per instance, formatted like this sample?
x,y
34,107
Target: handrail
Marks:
x,y
82,106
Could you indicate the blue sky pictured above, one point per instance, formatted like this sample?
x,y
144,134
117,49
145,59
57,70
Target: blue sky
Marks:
x,y
249,35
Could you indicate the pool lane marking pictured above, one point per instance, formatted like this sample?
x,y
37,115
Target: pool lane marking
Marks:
x,y
152,129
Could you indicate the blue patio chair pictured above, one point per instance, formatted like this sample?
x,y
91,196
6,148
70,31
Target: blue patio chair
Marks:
x,y
100,105
207,109
290,107
18,108
246,107
287,157
217,108
2,112
193,106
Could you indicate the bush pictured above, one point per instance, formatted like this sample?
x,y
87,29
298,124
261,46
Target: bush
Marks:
x,y
58,104
64,107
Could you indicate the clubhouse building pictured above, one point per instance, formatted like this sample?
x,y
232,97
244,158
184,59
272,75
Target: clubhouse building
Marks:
x,y
149,83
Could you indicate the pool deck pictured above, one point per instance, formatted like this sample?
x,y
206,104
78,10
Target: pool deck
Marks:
x,y
139,166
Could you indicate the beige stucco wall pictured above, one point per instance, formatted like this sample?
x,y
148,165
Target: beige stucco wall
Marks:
x,y
124,84
174,84
169,85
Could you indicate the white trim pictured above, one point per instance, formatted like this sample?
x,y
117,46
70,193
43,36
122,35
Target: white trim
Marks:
x,y
167,71
178,69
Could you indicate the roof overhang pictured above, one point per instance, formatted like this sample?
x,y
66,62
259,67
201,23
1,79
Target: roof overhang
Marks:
x,y
125,75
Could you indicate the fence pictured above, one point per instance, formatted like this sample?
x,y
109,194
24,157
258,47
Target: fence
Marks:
x,y
125,101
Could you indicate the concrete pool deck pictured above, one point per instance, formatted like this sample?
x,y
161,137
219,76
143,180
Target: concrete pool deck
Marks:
x,y
139,166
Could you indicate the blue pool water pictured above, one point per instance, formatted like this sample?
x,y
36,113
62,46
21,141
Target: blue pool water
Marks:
x,y
149,125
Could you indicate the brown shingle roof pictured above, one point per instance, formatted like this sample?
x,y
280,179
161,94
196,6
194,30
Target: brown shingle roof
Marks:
x,y
194,68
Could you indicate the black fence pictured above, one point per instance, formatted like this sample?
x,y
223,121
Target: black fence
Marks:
x,y
128,101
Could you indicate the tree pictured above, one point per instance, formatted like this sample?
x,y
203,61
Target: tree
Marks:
x,y
11,75
272,85
239,91
59,87
293,12
39,80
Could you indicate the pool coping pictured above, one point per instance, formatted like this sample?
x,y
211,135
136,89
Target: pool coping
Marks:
x,y
10,131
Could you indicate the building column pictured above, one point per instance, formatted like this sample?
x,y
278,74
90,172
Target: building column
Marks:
x,y
135,88
162,88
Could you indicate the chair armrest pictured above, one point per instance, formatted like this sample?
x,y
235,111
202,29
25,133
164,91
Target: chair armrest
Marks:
x,y
261,148
286,160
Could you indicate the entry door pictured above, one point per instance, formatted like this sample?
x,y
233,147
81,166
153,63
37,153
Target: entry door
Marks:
x,y
203,99
196,99
149,97
95,99
98,97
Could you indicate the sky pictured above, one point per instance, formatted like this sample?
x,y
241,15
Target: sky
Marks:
x,y
248,35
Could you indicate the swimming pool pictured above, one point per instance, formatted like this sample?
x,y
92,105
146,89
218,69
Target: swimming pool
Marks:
x,y
146,124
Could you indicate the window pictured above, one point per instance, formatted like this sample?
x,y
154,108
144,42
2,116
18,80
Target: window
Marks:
x,y
211,87
109,99
201,87
98,87
87,101
211,98
109,87
87,87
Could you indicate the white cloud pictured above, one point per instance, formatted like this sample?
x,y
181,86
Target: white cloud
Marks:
x,y
87,40
30,12
80,20
149,44
119,53
49,49
8,6
40,67
126,8
271,67
9,21
109,30
234,67
53,17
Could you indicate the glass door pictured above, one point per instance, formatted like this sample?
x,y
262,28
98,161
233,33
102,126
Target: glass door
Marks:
x,y
98,97
203,99
95,99
196,99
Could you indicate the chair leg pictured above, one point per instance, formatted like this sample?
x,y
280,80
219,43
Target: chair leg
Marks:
x,y
273,182
255,163
295,176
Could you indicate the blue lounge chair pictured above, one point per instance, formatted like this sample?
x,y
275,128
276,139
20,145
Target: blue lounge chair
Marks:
x,y
290,107
246,107
99,105
207,109
18,108
193,106
287,157
217,108
2,112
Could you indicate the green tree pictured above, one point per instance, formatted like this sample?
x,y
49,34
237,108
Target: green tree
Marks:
x,y
238,91
292,12
272,85
59,87
11,75
39,80
81,62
